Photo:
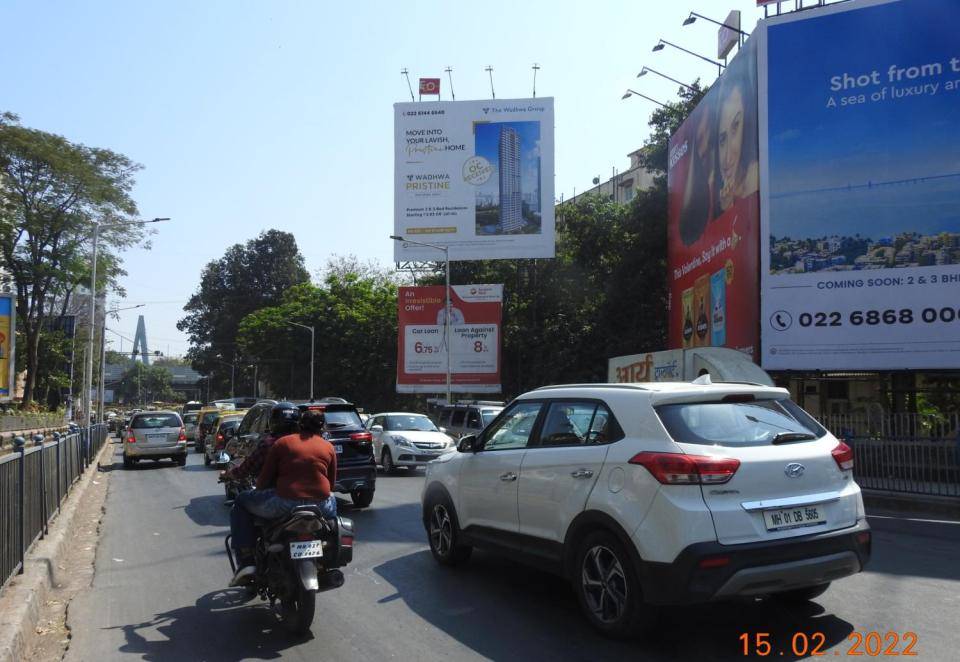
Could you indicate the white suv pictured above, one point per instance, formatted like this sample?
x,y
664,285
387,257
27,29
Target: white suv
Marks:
x,y
644,495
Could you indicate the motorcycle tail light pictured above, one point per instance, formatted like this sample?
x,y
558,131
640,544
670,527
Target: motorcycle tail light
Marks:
x,y
303,537
346,541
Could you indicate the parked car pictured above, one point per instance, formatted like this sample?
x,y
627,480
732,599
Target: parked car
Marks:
x,y
206,417
467,418
155,435
403,439
222,430
356,466
655,494
190,424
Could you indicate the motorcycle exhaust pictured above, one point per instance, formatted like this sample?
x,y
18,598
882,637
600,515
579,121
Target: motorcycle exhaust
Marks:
x,y
331,579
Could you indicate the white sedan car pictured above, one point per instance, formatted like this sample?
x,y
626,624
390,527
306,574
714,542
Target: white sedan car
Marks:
x,y
403,439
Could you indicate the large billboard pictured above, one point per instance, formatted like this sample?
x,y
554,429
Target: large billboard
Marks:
x,y
860,136
8,326
474,336
713,215
474,176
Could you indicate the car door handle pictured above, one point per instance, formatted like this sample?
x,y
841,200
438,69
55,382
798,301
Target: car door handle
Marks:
x,y
581,473
508,477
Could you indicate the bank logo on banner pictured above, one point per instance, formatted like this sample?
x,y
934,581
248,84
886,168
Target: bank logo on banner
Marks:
x,y
476,177
860,252
475,312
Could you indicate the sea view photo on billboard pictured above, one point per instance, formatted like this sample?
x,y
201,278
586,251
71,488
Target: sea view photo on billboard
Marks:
x,y
864,138
509,201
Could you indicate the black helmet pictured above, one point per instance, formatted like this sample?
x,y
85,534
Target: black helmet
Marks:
x,y
284,417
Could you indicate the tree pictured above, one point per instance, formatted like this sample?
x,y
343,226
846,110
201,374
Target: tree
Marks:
x,y
54,191
248,277
354,312
143,383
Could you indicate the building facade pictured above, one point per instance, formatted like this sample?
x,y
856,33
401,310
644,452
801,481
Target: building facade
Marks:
x,y
511,195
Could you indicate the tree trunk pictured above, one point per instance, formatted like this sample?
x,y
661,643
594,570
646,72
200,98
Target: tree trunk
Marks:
x,y
33,358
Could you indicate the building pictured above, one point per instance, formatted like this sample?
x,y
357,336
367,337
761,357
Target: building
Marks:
x,y
511,196
622,187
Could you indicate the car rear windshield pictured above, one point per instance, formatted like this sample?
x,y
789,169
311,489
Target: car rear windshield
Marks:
x,y
147,421
337,419
232,423
417,423
754,423
210,417
190,418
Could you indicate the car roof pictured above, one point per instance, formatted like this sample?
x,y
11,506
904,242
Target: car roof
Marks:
x,y
659,392
400,413
155,412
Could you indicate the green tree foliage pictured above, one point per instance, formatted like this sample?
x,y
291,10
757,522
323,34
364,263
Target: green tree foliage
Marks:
x,y
54,190
354,312
144,384
248,277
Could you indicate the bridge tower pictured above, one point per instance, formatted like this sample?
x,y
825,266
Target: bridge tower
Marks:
x,y
140,342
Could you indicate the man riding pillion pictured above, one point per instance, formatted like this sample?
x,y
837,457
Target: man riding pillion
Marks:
x,y
300,469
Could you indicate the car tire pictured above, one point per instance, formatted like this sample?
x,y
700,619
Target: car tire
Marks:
x,y
127,462
443,534
386,461
801,595
361,498
181,460
608,589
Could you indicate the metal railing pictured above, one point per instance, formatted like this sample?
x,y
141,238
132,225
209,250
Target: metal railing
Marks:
x,y
908,453
34,481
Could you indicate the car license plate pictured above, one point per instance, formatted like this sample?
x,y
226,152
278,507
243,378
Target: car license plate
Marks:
x,y
793,518
156,437
306,550
339,448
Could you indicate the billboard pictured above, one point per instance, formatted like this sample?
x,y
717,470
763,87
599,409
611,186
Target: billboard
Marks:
x,y
474,336
860,131
713,216
8,327
474,176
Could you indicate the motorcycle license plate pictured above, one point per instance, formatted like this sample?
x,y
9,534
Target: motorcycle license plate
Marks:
x,y
306,550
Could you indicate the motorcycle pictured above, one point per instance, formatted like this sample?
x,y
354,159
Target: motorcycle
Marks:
x,y
297,557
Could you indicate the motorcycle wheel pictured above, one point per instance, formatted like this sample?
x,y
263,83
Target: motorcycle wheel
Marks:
x,y
296,615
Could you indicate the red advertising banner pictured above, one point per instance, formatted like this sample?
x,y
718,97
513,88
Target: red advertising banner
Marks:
x,y
430,86
474,337
713,216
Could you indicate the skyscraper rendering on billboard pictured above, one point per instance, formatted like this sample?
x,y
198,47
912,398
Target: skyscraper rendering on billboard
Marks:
x,y
511,206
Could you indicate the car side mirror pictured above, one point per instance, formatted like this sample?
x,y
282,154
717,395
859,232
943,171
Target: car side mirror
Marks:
x,y
376,428
443,430
469,444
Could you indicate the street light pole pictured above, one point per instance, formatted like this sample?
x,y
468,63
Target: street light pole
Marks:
x,y
88,367
311,330
446,316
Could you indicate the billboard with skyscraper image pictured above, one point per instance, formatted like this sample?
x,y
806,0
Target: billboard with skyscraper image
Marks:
x,y
476,177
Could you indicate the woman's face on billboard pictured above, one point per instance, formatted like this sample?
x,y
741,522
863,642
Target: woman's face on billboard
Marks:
x,y
730,135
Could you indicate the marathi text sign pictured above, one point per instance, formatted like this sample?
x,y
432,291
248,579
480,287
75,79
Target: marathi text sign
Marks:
x,y
474,338
474,176
860,253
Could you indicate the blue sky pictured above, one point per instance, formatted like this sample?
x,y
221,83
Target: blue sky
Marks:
x,y
251,115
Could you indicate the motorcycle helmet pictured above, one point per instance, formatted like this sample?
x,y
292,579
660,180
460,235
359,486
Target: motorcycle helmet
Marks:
x,y
284,417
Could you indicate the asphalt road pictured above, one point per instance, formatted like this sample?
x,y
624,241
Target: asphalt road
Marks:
x,y
158,593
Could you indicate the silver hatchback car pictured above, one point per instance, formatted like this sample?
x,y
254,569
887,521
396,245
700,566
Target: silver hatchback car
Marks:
x,y
155,435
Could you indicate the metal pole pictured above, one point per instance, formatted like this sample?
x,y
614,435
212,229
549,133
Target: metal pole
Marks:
x,y
233,367
88,365
103,364
446,320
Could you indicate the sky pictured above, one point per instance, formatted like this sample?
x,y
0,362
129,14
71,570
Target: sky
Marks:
x,y
255,115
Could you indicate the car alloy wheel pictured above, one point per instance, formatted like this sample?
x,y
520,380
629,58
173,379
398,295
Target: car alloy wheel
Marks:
x,y
387,461
441,530
604,584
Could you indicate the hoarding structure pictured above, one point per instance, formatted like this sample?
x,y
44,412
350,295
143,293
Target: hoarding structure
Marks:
x,y
474,337
860,131
476,176
713,216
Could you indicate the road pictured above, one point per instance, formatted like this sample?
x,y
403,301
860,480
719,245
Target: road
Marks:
x,y
158,593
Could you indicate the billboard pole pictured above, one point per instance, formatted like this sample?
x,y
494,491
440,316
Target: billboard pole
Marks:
x,y
449,70
489,70
406,74
536,68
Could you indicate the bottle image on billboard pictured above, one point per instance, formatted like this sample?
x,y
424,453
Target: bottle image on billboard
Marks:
x,y
701,300
688,317
718,298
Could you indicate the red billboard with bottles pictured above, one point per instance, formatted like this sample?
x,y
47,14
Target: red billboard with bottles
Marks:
x,y
713,216
474,336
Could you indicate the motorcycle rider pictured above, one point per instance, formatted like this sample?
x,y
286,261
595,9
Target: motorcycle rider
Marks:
x,y
284,417
300,469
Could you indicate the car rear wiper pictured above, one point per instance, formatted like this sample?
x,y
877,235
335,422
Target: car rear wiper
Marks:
x,y
785,437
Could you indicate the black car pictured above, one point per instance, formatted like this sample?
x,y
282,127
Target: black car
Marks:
x,y
356,466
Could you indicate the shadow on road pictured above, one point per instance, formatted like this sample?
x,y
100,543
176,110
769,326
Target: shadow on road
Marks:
x,y
208,510
224,626
535,615
394,523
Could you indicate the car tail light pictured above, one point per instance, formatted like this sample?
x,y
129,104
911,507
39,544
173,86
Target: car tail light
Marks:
x,y
681,469
131,439
714,561
863,537
183,435
843,454
361,436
